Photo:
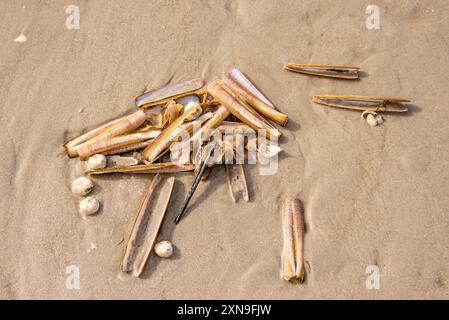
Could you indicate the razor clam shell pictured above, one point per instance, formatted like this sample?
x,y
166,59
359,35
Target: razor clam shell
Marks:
x,y
165,167
90,134
293,240
128,148
240,78
116,143
362,103
168,136
168,91
329,71
147,225
261,107
239,108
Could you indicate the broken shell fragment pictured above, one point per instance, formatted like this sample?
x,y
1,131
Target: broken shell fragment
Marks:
x,y
89,206
119,161
97,161
329,71
82,186
21,38
164,249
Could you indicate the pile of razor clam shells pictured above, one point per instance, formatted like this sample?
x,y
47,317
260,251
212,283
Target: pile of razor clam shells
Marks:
x,y
150,139
188,116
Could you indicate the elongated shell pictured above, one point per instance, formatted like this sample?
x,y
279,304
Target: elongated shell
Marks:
x,y
116,143
70,145
293,240
148,222
165,167
244,82
169,135
125,125
239,108
128,147
260,106
170,91
363,103
329,71
217,118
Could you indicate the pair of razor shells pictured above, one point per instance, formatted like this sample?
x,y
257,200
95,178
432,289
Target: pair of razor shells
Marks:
x,y
369,105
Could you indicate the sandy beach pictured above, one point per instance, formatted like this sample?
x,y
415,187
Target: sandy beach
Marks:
x,y
372,196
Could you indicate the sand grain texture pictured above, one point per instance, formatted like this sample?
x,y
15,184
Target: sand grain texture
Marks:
x,y
371,195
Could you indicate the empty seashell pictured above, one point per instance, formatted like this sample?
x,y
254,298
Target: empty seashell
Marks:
x,y
22,38
82,186
372,118
118,161
89,206
164,249
97,161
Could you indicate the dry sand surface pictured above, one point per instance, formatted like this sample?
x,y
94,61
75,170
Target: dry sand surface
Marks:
x,y
373,196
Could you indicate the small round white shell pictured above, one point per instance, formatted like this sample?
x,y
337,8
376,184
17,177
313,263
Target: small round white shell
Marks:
x,y
89,206
82,186
164,249
97,161
371,120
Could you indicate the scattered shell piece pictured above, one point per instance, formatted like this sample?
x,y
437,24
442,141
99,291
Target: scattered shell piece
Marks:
x,y
97,161
89,206
21,39
82,186
80,110
119,161
164,249
92,247
238,187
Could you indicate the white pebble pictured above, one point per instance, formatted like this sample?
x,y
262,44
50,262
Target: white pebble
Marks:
x,y
89,206
97,161
82,186
164,249
22,38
